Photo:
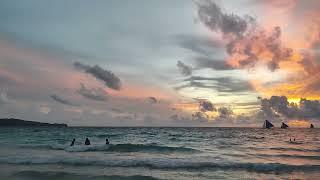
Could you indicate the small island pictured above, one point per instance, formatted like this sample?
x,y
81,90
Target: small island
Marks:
x,y
12,122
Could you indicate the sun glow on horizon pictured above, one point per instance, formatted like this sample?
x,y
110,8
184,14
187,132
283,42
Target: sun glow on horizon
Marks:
x,y
294,100
299,123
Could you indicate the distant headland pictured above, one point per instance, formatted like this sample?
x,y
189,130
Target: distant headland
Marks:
x,y
12,122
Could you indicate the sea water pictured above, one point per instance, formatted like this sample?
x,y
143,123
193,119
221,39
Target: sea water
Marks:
x,y
159,153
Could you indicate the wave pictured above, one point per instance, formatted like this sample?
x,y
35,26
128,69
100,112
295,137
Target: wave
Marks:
x,y
174,139
286,149
148,133
288,156
48,175
37,130
295,149
169,164
176,135
107,135
131,148
45,146
142,147
116,148
256,137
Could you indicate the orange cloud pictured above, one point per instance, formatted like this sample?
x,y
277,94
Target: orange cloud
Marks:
x,y
187,106
300,32
283,40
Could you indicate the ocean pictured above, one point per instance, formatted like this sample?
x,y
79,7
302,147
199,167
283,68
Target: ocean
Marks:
x,y
159,153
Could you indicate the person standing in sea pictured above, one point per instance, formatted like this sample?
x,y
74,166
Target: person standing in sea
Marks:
x,y
73,141
87,142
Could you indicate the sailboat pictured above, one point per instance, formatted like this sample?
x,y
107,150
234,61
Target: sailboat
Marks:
x,y
267,124
311,126
284,126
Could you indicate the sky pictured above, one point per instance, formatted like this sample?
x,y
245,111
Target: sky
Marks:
x,y
160,63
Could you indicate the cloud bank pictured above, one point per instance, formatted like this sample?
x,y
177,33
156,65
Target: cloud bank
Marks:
x,y
279,107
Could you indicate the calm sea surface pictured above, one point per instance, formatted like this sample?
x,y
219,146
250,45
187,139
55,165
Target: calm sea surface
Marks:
x,y
159,153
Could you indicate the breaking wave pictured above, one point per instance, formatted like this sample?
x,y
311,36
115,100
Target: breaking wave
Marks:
x,y
116,148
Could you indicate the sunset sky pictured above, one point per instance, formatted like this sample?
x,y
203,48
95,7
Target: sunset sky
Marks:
x,y
160,63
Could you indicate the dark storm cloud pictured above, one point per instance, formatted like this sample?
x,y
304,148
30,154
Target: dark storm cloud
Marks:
x,y
225,112
184,69
244,38
309,108
205,62
221,84
225,115
61,100
97,94
278,106
200,117
205,105
213,17
110,79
